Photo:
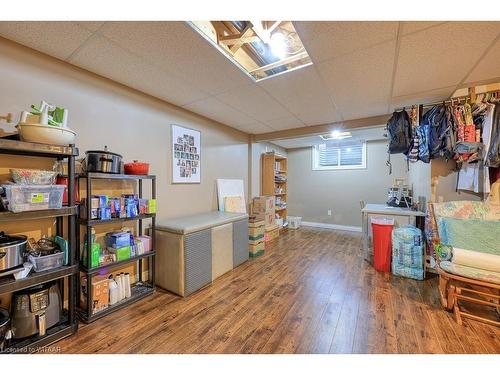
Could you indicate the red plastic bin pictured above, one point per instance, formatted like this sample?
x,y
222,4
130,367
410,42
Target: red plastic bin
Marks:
x,y
382,243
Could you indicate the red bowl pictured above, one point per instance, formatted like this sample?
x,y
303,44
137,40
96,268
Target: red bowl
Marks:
x,y
136,168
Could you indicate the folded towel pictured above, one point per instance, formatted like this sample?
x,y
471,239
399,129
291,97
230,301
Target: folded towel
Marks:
x,y
484,261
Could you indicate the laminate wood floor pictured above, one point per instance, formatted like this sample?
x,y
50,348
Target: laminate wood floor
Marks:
x,y
311,292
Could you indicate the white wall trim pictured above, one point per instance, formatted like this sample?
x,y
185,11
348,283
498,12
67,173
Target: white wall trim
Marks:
x,y
348,228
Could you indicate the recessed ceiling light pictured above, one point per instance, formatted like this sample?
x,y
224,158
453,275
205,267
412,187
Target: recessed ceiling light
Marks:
x,y
336,134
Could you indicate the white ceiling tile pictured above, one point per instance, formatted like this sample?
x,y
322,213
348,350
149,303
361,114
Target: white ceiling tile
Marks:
x,y
421,98
304,94
176,47
58,39
326,40
289,122
360,82
219,111
415,26
255,102
441,56
103,57
254,128
489,67
91,25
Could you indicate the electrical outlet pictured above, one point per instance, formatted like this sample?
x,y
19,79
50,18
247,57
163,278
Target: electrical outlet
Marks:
x,y
329,212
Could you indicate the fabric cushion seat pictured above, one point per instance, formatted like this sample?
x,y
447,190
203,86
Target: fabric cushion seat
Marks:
x,y
470,272
476,235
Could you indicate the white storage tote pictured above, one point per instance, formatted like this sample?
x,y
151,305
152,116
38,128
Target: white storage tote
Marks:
x,y
294,222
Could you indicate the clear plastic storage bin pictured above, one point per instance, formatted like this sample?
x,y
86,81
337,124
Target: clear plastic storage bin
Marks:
x,y
294,222
47,262
34,197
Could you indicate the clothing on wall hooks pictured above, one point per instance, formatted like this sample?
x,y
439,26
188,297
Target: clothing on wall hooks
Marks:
x,y
460,129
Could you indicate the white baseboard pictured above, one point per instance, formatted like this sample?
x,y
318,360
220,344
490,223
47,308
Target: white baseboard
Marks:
x,y
348,228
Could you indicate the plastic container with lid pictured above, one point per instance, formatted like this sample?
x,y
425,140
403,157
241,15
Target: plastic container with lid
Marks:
x,y
33,197
47,262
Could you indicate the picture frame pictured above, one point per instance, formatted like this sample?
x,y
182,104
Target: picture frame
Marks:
x,y
186,147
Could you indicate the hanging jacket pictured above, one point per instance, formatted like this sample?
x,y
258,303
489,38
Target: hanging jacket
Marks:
x,y
423,133
438,124
493,157
423,142
413,151
399,131
449,136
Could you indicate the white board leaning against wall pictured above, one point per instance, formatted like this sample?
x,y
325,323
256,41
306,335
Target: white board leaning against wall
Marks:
x,y
186,155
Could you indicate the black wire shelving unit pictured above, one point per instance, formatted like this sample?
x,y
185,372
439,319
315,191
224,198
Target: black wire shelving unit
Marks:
x,y
142,288
68,324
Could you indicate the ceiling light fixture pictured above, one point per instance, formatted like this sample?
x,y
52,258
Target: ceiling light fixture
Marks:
x,y
336,134
278,45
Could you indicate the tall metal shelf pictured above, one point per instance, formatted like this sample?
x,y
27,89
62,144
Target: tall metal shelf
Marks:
x,y
68,323
141,288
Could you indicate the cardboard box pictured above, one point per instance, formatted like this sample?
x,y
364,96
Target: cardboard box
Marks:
x,y
255,240
268,218
272,234
100,295
256,229
122,253
253,222
263,205
257,249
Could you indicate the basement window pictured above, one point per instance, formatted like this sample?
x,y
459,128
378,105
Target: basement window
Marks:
x,y
339,156
262,49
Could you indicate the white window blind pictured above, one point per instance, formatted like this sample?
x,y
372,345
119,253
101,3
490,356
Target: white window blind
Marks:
x,y
339,156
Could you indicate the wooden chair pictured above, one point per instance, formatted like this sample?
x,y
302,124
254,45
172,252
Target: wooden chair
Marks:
x,y
455,288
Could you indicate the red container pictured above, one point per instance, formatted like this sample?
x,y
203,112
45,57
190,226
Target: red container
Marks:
x,y
136,168
382,243
64,181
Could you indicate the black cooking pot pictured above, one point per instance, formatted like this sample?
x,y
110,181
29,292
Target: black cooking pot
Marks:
x,y
4,328
12,249
103,161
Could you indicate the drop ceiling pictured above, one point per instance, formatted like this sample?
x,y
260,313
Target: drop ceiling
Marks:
x,y
360,69
375,133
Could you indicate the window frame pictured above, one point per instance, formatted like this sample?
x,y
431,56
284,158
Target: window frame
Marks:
x,y
317,167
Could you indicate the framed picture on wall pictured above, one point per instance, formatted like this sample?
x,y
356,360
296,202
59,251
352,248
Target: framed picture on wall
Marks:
x,y
186,147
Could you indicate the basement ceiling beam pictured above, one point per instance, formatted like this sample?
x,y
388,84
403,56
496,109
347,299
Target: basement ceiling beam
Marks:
x,y
245,33
233,39
322,129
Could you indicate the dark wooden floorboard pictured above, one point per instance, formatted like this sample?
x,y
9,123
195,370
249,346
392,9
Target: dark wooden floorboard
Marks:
x,y
311,292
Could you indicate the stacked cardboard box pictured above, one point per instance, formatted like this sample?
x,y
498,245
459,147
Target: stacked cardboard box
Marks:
x,y
256,231
263,209
272,233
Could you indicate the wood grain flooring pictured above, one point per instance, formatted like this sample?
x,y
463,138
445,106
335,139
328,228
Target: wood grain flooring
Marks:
x,y
311,292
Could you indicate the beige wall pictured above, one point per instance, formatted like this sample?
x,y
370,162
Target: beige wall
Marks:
x,y
419,178
312,193
127,121
257,149
444,182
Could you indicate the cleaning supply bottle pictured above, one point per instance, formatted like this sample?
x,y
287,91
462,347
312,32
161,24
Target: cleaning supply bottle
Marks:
x,y
113,290
44,112
124,288
118,280
128,291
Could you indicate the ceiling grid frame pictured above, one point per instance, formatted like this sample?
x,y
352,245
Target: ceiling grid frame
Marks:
x,y
286,111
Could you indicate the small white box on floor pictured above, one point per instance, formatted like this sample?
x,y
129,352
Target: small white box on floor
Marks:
x,y
294,222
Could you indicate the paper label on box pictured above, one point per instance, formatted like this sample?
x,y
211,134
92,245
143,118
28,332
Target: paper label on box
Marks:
x,y
39,197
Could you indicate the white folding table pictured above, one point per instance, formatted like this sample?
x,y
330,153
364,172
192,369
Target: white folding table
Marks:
x,y
383,210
